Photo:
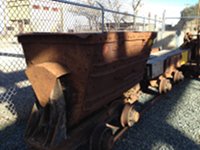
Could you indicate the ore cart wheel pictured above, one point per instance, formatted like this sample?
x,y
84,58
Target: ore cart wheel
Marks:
x,y
176,76
129,116
164,85
101,138
181,76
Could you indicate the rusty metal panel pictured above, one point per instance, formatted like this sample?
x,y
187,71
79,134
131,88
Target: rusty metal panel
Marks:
x,y
100,67
113,60
43,78
47,125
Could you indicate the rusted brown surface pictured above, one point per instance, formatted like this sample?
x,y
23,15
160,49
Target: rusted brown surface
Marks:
x,y
43,78
164,85
132,95
47,125
154,83
100,67
155,50
171,65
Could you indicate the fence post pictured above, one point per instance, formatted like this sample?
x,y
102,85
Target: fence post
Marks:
x,y
134,28
144,24
62,20
163,24
155,22
163,21
149,21
102,17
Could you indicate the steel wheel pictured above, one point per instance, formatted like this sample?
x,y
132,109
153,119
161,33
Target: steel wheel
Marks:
x,y
176,76
163,86
101,138
181,76
129,116
169,85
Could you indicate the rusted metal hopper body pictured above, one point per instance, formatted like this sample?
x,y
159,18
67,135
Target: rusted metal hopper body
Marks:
x,y
96,67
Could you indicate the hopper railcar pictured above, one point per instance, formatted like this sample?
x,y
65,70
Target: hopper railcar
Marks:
x,y
166,67
163,68
85,86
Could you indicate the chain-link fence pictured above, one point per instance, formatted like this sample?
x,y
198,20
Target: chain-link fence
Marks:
x,y
23,16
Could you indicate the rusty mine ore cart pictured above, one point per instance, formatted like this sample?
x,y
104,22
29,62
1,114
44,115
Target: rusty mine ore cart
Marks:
x,y
85,86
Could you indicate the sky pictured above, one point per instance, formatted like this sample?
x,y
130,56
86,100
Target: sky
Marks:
x,y
172,7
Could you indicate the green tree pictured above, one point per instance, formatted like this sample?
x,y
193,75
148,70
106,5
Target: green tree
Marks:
x,y
190,11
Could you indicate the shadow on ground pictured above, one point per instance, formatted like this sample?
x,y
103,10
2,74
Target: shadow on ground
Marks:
x,y
16,104
171,124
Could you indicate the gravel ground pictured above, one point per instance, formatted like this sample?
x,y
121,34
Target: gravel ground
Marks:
x,y
171,124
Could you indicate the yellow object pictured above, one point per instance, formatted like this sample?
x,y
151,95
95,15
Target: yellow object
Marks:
x,y
184,59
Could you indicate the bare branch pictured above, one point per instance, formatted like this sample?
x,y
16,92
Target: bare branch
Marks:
x,y
136,4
